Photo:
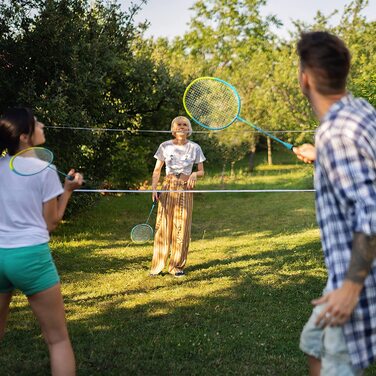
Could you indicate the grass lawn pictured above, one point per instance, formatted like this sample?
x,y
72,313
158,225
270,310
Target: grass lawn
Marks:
x,y
254,264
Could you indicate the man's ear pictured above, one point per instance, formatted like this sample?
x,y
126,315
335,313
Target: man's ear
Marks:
x,y
305,79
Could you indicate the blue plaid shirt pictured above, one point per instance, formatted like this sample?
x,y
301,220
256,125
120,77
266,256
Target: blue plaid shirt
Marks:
x,y
345,182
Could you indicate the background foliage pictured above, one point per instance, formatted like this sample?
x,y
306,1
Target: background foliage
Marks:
x,y
84,64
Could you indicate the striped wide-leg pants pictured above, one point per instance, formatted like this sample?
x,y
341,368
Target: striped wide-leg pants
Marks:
x,y
173,227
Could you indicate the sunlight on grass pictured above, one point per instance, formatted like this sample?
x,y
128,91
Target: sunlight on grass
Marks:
x,y
255,262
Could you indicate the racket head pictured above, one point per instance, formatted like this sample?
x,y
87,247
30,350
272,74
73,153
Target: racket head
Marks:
x,y
211,102
142,233
31,161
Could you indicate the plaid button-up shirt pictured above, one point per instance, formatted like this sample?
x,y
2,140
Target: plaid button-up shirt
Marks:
x,y
345,182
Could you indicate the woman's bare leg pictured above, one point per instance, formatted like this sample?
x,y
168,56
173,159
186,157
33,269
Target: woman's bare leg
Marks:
x,y
5,299
48,307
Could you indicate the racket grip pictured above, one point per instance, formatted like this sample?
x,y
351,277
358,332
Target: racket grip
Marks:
x,y
71,177
158,195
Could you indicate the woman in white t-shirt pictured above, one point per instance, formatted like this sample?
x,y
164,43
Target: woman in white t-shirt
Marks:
x,y
31,207
174,218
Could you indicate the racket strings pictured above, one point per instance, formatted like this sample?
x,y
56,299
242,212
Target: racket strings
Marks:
x,y
141,233
31,161
212,103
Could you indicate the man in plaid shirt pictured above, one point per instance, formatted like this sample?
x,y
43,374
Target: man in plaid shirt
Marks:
x,y
340,336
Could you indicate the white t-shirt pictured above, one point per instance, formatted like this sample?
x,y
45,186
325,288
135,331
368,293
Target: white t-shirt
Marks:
x,y
179,159
21,205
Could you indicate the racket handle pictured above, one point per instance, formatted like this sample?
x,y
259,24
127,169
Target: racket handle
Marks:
x,y
290,146
71,177
156,199
287,145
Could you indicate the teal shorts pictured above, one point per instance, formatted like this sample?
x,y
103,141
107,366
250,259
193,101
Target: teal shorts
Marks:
x,y
29,269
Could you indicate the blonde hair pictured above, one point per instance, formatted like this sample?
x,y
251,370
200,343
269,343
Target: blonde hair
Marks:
x,y
181,118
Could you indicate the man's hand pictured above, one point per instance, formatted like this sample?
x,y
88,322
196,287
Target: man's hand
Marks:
x,y
305,152
339,304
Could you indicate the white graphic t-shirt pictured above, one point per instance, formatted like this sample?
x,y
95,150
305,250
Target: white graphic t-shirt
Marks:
x,y
179,159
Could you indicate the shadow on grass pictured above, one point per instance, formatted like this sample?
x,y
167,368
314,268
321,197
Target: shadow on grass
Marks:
x,y
247,322
250,328
271,260
232,335
84,262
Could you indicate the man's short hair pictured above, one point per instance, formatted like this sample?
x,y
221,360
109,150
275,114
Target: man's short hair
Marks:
x,y
328,58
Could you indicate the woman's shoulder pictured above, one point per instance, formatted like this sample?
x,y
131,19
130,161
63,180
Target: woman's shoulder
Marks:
x,y
5,159
166,143
194,144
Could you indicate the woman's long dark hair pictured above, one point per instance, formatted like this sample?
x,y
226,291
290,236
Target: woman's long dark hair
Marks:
x,y
13,123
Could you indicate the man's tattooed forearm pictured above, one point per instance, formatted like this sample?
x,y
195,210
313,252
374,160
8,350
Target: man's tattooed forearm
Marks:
x,y
362,256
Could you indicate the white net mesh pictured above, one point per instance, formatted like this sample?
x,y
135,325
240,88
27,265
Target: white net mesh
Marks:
x,y
212,103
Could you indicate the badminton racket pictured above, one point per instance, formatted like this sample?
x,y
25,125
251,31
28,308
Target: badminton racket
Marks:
x,y
143,232
32,161
215,104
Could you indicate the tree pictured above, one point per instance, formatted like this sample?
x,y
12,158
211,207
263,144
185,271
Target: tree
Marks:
x,y
90,69
360,36
227,36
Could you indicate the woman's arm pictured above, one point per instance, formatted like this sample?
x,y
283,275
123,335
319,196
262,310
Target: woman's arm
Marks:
x,y
194,175
155,178
53,210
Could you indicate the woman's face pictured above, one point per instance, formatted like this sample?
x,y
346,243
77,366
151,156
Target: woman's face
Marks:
x,y
181,129
38,137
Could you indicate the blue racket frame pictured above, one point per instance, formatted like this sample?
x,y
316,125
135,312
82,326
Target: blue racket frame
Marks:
x,y
48,151
236,117
145,224
25,150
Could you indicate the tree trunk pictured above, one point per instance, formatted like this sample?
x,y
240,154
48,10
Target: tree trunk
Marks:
x,y
270,159
252,153
251,160
232,169
223,175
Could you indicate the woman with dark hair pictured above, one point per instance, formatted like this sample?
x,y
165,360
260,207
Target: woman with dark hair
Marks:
x,y
31,207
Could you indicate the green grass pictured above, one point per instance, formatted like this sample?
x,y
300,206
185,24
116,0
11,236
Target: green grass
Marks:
x,y
254,264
